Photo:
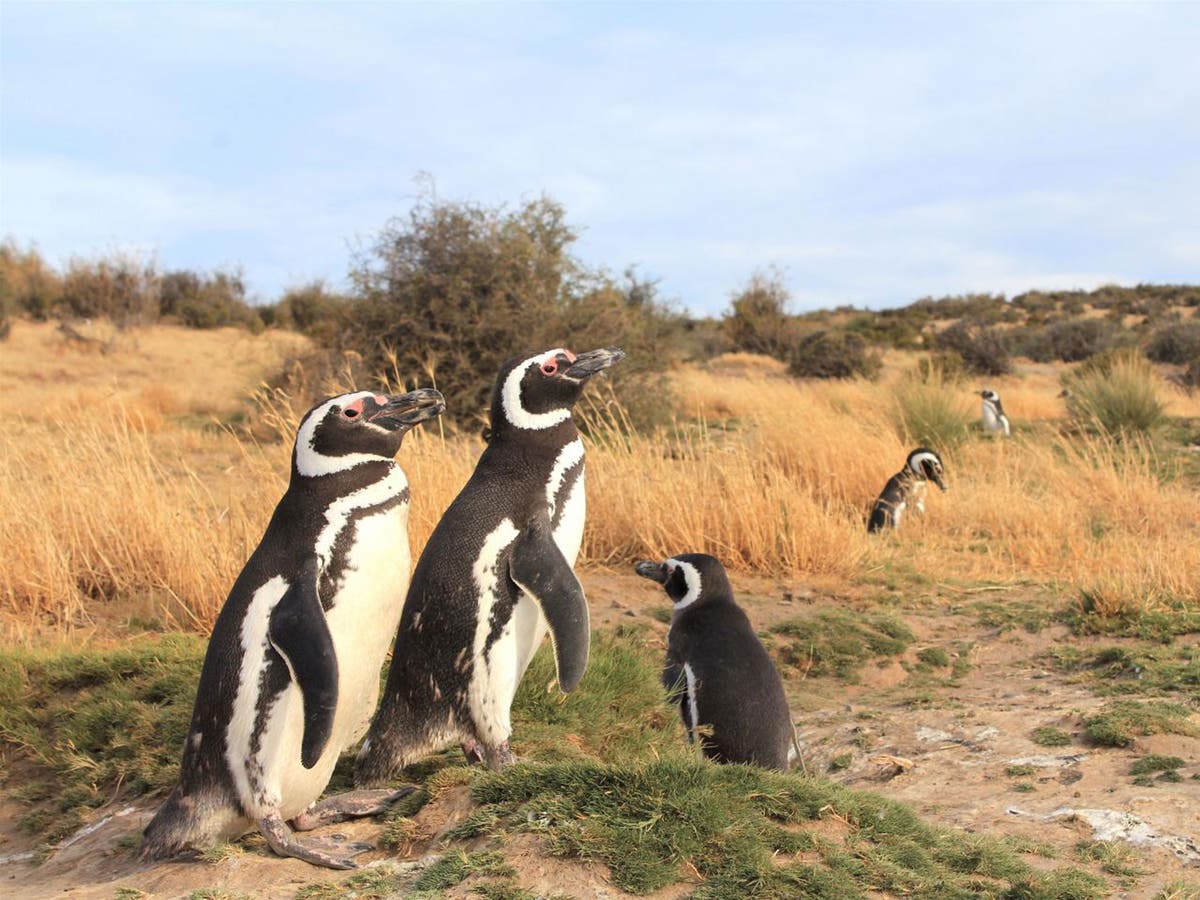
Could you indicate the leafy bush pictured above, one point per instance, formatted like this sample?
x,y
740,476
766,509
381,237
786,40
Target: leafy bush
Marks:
x,y
201,300
984,350
833,354
118,287
28,284
758,320
1070,341
1178,344
452,290
1115,392
311,309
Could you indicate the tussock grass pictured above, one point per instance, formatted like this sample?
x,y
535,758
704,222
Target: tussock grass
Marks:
x,y
1120,723
840,642
95,724
748,832
128,498
1118,394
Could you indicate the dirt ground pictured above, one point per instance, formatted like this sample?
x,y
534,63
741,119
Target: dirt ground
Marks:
x,y
942,748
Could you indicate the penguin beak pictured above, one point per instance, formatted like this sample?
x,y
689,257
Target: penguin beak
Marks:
x,y
937,479
588,364
652,570
406,410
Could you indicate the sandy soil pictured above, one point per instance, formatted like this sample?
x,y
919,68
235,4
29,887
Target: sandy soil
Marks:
x,y
959,739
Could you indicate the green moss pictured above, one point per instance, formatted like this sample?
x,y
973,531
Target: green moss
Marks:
x,y
1019,771
1121,722
934,656
1024,787
456,867
1048,736
840,642
841,761
1154,763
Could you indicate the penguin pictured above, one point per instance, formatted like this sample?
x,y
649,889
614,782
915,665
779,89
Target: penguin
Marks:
x,y
291,674
496,573
729,692
907,487
994,419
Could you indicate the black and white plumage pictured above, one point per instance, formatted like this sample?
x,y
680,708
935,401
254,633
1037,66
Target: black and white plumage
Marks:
x,y
730,694
496,574
994,418
291,674
907,488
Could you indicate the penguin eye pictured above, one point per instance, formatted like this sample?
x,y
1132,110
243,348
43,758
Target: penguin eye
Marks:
x,y
350,413
550,366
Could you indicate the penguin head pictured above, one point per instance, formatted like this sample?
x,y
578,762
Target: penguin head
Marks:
x,y
927,465
538,391
990,396
688,578
349,429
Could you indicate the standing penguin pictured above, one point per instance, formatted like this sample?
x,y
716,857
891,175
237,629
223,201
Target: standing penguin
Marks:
x,y
497,570
730,694
292,670
905,487
994,418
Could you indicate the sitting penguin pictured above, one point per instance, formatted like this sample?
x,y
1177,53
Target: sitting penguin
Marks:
x,y
729,692
292,670
994,419
907,487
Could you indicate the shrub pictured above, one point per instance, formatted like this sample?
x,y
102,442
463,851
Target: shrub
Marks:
x,y
452,290
758,320
1115,392
984,350
211,300
118,287
311,309
1178,344
28,284
1071,341
833,354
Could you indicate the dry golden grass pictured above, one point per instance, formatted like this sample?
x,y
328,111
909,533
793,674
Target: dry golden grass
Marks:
x,y
123,496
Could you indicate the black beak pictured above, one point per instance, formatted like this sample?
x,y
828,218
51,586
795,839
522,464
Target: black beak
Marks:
x,y
936,477
588,364
406,410
652,570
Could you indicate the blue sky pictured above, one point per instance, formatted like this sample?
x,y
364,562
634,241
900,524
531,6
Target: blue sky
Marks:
x,y
874,153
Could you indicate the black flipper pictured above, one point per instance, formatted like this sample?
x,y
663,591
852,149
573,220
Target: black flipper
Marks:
x,y
540,570
300,634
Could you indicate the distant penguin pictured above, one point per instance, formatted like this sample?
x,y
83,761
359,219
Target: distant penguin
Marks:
x,y
497,570
292,670
730,694
994,418
905,488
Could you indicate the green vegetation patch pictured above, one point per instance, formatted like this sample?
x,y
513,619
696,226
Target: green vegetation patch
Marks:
x,y
1007,615
92,719
1140,669
651,823
1121,722
1155,763
1114,857
1162,624
1048,736
840,642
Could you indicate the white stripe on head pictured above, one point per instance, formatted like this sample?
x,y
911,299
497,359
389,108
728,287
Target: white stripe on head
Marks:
x,y
311,463
916,462
510,397
691,576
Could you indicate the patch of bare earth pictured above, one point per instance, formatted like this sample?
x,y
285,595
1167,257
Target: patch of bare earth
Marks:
x,y
942,747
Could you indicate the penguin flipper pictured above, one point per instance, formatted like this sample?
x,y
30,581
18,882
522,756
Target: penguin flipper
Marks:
x,y
539,568
300,634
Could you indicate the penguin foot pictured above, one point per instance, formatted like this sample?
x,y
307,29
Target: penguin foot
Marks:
x,y
328,852
350,805
497,758
470,749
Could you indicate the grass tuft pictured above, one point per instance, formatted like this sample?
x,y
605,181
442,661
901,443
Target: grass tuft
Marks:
x,y
1049,736
1121,722
1118,395
840,642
